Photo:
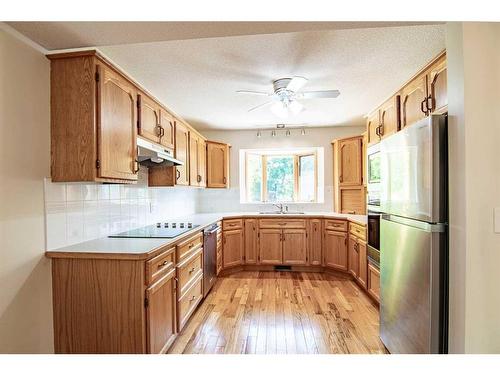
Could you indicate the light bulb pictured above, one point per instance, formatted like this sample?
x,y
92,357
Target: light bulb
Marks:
x,y
287,133
303,131
258,134
273,133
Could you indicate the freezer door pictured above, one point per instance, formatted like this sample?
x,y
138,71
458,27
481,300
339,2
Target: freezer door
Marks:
x,y
411,289
414,171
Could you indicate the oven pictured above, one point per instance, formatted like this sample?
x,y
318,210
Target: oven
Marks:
x,y
373,248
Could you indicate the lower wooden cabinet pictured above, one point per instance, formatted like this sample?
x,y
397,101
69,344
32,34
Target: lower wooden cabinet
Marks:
x,y
374,282
161,313
335,250
315,242
251,241
363,264
232,248
358,260
353,257
188,302
294,243
270,246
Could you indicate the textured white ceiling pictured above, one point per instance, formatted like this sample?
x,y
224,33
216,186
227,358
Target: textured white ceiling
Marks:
x,y
197,79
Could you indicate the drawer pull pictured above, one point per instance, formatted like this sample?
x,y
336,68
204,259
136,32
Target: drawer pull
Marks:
x,y
192,298
192,270
165,263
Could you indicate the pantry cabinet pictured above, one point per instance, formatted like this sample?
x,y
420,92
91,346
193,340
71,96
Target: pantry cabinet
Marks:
x,y
335,250
233,246
350,158
93,120
251,241
217,165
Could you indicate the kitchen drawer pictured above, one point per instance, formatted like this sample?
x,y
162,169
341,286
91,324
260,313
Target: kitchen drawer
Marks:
x,y
185,247
189,301
160,265
358,231
232,224
189,269
282,223
338,225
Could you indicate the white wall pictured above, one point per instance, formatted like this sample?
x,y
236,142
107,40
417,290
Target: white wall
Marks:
x,y
213,200
25,292
474,95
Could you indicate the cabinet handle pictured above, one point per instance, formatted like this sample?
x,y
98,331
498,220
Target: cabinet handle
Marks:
x,y
192,298
431,108
377,130
163,264
380,130
135,166
192,270
422,106
198,178
178,174
341,178
224,180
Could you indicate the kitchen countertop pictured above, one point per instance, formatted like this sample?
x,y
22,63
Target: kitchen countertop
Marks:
x,y
145,248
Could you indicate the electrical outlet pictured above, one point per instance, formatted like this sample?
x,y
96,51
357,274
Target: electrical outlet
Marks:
x,y
497,220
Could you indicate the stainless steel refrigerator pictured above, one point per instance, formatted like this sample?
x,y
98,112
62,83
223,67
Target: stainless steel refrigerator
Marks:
x,y
413,238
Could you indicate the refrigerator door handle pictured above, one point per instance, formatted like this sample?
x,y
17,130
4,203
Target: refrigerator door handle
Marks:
x,y
428,227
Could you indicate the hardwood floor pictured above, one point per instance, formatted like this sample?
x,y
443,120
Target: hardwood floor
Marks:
x,y
283,313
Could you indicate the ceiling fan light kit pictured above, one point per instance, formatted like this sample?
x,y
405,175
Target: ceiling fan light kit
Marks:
x,y
284,97
279,128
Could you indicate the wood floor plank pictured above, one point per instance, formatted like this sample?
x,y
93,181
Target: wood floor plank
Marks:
x,y
283,312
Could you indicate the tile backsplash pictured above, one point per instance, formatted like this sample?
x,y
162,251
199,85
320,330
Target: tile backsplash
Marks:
x,y
77,212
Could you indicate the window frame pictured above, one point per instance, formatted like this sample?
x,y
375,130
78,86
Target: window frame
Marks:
x,y
296,175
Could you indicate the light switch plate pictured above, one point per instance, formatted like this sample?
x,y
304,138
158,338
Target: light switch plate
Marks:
x,y
497,219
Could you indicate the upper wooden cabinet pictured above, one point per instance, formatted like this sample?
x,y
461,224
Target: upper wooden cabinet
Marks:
x,y
372,127
438,86
217,165
167,129
349,191
197,160
148,124
93,120
182,153
413,101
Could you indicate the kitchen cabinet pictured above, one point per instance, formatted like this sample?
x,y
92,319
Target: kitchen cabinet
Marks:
x,y
353,257
148,124
315,242
374,282
294,243
217,165
251,241
335,250
161,313
182,153
349,189
233,247
93,121
219,249
372,127
358,260
167,129
389,117
270,249
437,86
197,160
413,98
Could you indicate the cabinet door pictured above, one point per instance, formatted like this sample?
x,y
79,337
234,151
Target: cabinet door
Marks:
x,y
251,241
335,250
353,256
374,282
372,124
202,162
194,149
294,246
438,86
350,162
315,242
167,124
232,248
182,153
149,118
270,250
363,264
116,128
389,117
413,97
352,200
161,314
217,155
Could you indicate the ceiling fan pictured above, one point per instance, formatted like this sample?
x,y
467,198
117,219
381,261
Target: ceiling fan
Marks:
x,y
285,95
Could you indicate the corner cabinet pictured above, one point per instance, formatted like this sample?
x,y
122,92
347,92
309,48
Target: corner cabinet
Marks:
x,y
349,191
217,165
93,121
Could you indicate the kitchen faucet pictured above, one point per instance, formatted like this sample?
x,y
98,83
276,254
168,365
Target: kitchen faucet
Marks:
x,y
280,206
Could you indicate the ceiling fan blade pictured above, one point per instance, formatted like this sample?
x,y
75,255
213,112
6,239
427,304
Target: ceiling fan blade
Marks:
x,y
319,94
261,105
253,92
296,83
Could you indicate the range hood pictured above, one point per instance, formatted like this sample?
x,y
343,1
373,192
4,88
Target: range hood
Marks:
x,y
153,155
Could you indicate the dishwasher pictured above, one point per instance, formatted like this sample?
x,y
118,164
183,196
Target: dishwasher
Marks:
x,y
209,258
